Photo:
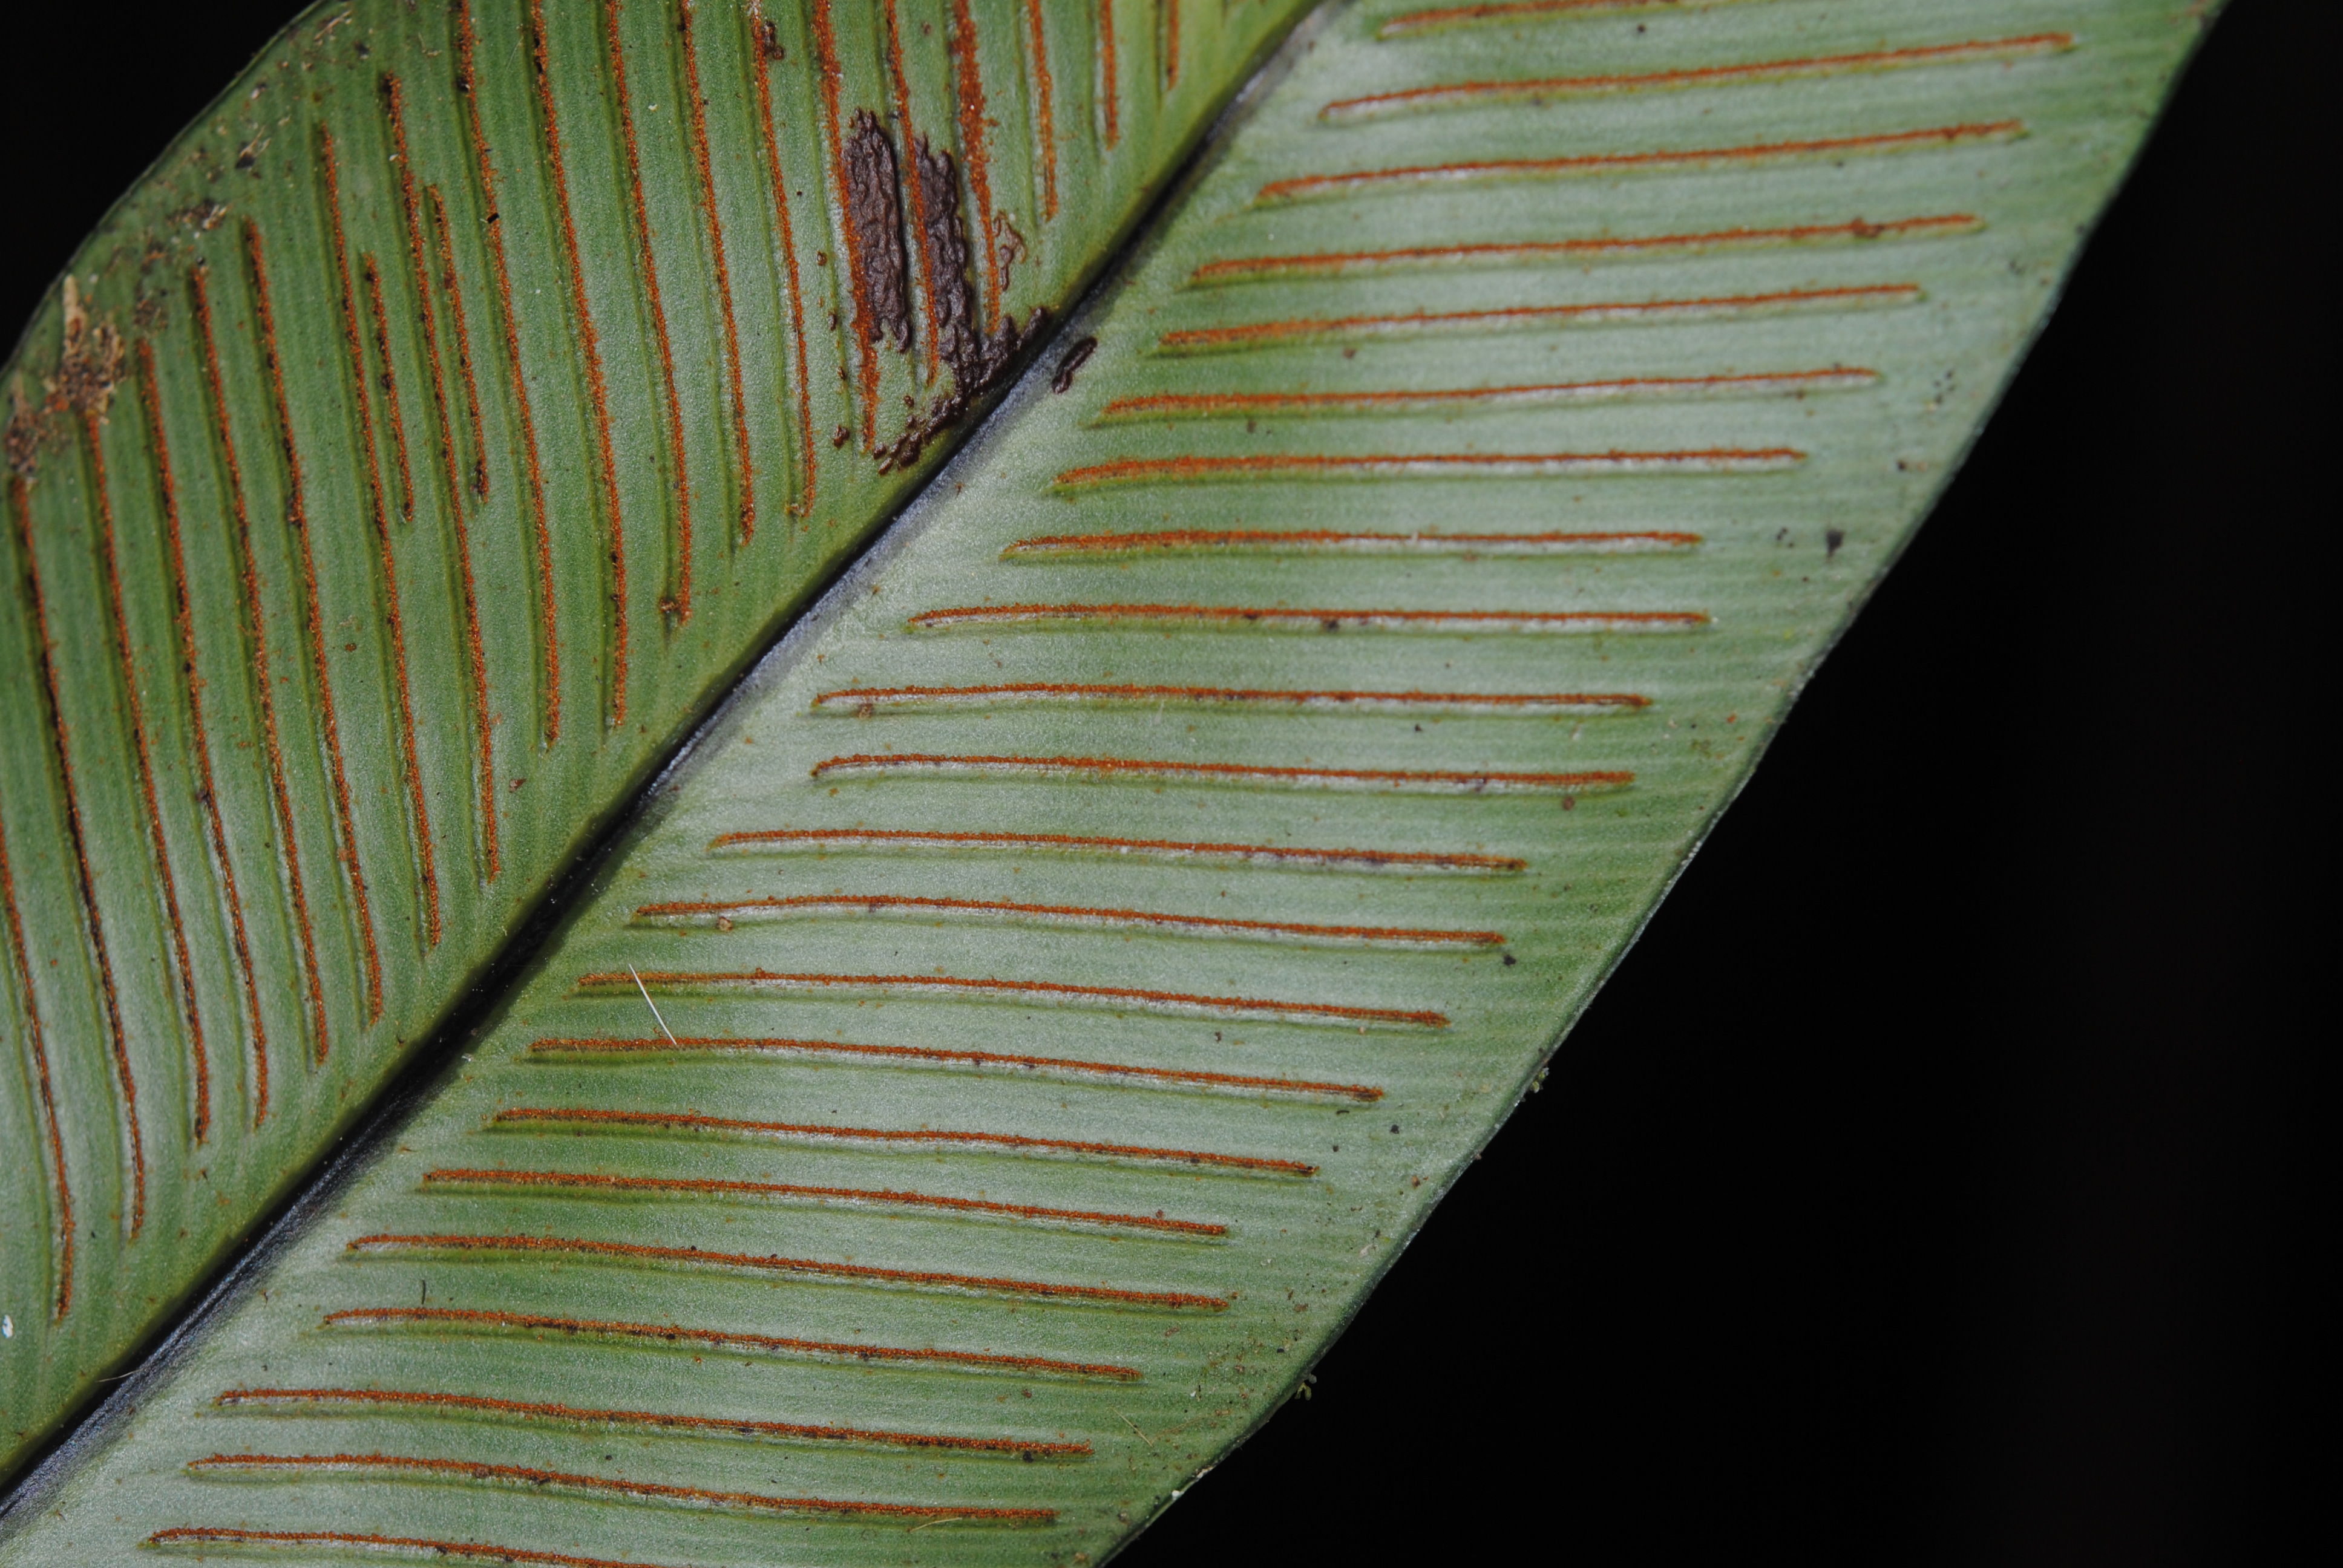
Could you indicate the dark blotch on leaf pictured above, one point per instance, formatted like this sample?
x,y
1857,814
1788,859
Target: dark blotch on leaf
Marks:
x,y
1078,356
877,218
978,362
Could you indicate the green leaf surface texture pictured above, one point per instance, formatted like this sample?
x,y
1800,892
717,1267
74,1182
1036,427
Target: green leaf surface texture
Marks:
x,y
401,470
1059,981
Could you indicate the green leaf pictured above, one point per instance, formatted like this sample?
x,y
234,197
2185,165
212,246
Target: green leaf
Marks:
x,y
1055,985
404,467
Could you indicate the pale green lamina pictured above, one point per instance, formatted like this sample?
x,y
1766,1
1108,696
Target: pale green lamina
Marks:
x,y
997,1063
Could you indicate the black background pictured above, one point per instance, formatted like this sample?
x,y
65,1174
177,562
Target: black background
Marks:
x,y
1913,1192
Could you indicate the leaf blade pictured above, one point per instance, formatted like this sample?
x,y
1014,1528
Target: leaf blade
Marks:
x,y
410,461
782,753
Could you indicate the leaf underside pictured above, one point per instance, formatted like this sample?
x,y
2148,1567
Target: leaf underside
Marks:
x,y
1066,973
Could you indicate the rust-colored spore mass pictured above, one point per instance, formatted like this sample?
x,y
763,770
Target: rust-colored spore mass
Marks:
x,y
1071,915
199,1536
426,862
876,216
36,1037
1511,11
393,94
1306,186
20,502
1402,780
1243,269
296,518
866,331
678,601
387,373
1457,94
867,699
688,1123
1136,998
1329,619
418,257
475,657
743,456
1429,465
1045,116
453,282
191,686
1109,90
923,1056
183,968
546,618
1266,405
534,1480
572,1415
1265,334
263,678
674,1336
589,339
768,49
774,1263
1309,541
1046,990
842,839
589,1184
968,83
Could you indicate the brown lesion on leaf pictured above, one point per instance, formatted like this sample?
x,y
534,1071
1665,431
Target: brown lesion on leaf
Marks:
x,y
957,332
1078,354
978,362
203,216
25,433
1008,244
880,267
92,364
875,210
89,367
